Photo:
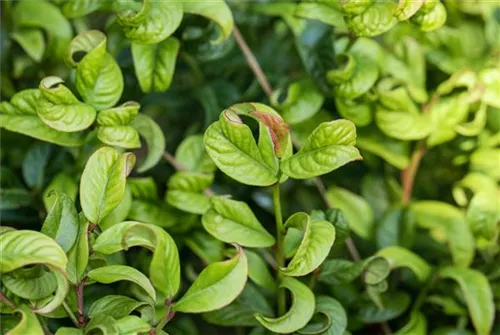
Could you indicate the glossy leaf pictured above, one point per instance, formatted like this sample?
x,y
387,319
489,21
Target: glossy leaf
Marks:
x,y
392,151
317,240
34,165
78,255
164,268
113,273
401,257
98,78
336,318
155,64
120,213
233,221
477,294
417,325
217,11
394,306
155,140
403,125
258,271
31,40
340,271
116,306
191,154
185,191
103,181
216,286
330,146
375,20
300,312
32,283
29,323
61,183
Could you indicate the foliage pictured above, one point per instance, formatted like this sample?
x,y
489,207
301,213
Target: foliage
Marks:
x,y
150,173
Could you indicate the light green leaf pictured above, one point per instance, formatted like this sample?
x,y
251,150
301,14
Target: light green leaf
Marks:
x,y
258,271
216,286
233,221
315,246
69,331
483,213
113,273
191,154
153,23
78,255
394,152
116,306
330,146
104,324
143,188
340,271
208,248
446,224
477,293
396,227
155,64
58,108
185,191
217,11
120,213
401,257
233,149
132,324
445,115
357,211
62,222
62,183
321,11
31,40
358,111
300,312
103,182
120,115
432,19
403,125
34,165
29,323
333,312
32,283
375,20
394,304
77,8
156,213
486,160
417,325
155,140
119,136
164,268
303,100
98,78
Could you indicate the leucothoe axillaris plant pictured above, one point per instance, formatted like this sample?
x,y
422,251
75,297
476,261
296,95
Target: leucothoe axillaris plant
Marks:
x,y
153,182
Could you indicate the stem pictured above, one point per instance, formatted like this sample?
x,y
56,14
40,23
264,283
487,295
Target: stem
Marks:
x,y
409,173
169,314
280,257
70,313
79,296
252,62
424,292
4,299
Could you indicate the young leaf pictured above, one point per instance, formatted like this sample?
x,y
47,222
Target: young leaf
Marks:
x,y
78,8
416,326
357,211
155,64
120,213
164,269
59,109
394,305
103,323
62,222
78,255
192,155
477,293
258,271
98,79
185,191
207,247
155,140
113,273
340,271
447,223
217,11
401,257
330,146
119,136
300,312
116,306
62,183
69,331
103,182
393,151
231,146
34,165
155,21
132,324
316,243
29,323
216,286
403,125
233,221
336,318
32,41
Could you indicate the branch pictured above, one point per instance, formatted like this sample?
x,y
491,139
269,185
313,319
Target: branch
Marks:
x,y
252,62
409,173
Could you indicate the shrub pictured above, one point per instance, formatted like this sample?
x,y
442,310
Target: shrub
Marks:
x,y
153,181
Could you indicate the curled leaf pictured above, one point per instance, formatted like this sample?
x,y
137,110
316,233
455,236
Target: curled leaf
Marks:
x,y
375,20
155,140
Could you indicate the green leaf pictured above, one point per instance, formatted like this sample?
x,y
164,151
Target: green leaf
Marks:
x,y
192,155
337,219
29,323
358,111
375,20
164,269
300,312
120,213
116,306
417,325
445,115
302,101
334,314
113,273
153,23
155,140
446,224
32,41
392,151
394,305
132,324
157,213
330,146
34,165
98,78
403,125
376,270
217,11
357,211
477,293
216,286
185,191
432,19
315,246
62,183
233,149
483,213
103,182
62,222
32,283
78,8
401,257
78,255
208,248
155,64
119,136
59,109
15,198
233,221
321,11
258,271
241,311
104,324
485,160
340,271
69,331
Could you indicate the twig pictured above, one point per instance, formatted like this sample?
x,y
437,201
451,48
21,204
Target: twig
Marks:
x,y
179,167
70,313
79,296
409,173
252,62
280,238
4,299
